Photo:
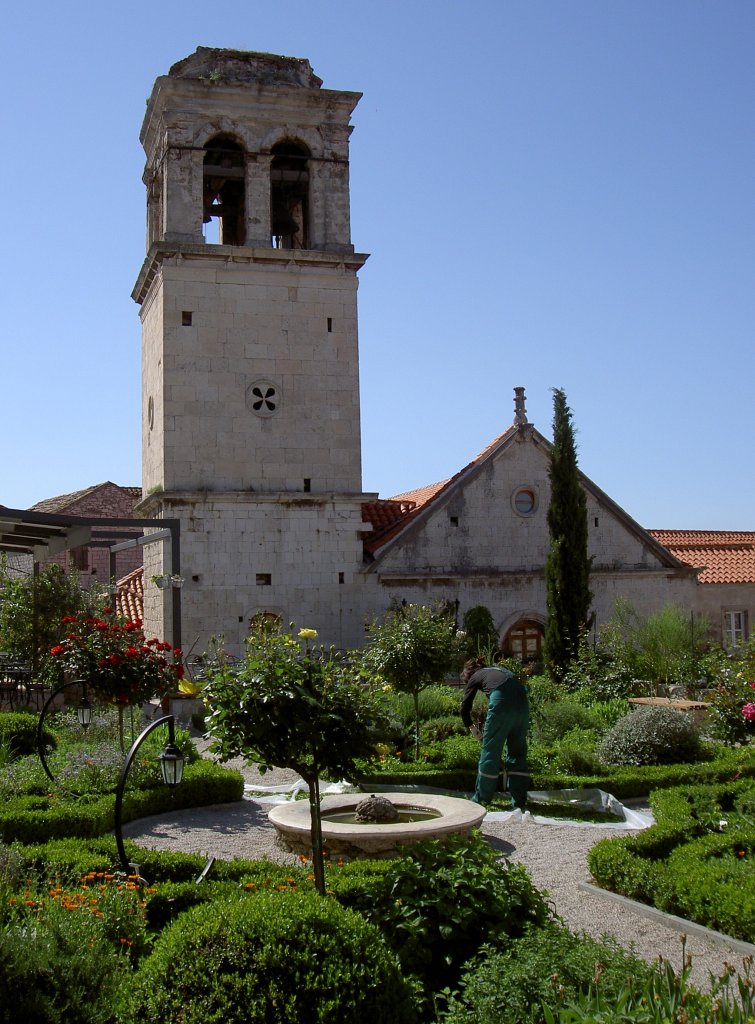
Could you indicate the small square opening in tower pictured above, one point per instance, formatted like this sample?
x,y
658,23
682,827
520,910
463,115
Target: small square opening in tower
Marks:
x,y
186,318
263,579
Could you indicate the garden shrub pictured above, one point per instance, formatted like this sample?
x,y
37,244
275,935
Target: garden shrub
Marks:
x,y
434,702
18,731
459,751
286,956
543,690
444,899
66,972
554,720
441,728
575,752
652,735
543,966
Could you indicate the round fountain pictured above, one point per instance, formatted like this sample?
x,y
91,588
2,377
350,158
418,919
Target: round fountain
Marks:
x,y
357,827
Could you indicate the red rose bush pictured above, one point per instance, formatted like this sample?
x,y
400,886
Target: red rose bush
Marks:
x,y
114,658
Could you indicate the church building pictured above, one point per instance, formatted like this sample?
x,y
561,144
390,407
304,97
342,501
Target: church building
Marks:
x,y
251,410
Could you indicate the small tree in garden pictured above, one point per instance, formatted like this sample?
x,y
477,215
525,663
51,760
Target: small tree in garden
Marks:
x,y
291,706
412,647
567,567
481,634
31,608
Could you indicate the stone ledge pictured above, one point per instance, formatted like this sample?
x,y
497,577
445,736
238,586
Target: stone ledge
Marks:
x,y
679,924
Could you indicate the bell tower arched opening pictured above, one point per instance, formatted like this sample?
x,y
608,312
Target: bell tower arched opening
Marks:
x,y
289,196
223,199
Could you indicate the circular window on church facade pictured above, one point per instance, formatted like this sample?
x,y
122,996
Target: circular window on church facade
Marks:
x,y
263,398
524,501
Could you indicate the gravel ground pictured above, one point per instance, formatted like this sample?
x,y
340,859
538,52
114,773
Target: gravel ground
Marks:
x,y
554,854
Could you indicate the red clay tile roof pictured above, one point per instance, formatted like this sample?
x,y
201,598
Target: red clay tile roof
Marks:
x,y
61,502
411,503
129,600
724,556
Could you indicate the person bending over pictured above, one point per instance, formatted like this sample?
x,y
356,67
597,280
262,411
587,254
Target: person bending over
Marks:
x,y
506,722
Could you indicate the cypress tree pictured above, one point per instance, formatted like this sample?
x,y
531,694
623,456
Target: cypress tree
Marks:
x,y
567,567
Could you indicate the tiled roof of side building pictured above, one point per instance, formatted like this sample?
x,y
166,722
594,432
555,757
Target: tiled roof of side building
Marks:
x,y
61,502
725,556
129,599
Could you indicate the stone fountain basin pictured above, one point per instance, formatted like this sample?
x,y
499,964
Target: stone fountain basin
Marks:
x,y
343,841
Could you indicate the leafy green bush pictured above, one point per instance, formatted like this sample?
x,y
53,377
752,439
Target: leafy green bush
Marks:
x,y
553,720
732,678
454,752
441,728
19,731
434,702
575,751
544,965
443,900
652,735
481,635
543,690
62,969
286,956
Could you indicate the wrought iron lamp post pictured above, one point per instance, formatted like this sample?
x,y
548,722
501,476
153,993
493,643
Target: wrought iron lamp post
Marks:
x,y
83,714
171,770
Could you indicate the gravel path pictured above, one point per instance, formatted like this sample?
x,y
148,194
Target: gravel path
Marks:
x,y
554,854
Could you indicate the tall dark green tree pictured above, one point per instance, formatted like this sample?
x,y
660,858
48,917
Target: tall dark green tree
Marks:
x,y
567,568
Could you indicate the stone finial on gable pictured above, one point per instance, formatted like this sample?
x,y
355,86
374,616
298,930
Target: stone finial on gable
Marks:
x,y
520,411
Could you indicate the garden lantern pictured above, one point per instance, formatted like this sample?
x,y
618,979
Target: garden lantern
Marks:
x,y
84,713
171,765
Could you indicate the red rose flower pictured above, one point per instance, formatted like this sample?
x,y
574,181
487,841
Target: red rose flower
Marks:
x,y
131,652
57,649
114,659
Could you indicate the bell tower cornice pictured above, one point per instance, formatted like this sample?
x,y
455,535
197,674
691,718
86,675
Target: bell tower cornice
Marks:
x,y
178,252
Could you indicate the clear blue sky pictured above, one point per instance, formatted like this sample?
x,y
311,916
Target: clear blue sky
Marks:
x,y
554,193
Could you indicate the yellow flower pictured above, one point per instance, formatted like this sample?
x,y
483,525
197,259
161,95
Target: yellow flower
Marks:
x,y
307,634
189,688
387,688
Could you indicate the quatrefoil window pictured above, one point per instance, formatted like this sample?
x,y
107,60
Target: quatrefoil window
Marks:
x,y
263,398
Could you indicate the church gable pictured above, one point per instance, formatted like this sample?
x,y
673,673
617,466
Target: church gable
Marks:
x,y
491,519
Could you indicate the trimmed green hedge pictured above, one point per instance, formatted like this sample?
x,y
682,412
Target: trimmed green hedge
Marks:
x,y
691,863
623,783
35,819
18,729
283,956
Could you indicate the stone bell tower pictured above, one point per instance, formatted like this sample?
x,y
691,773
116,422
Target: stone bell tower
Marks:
x,y
248,296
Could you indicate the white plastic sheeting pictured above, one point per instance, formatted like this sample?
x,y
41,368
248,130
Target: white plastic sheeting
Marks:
x,y
582,799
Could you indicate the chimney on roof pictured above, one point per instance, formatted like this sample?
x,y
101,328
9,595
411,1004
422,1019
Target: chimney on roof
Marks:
x,y
520,412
